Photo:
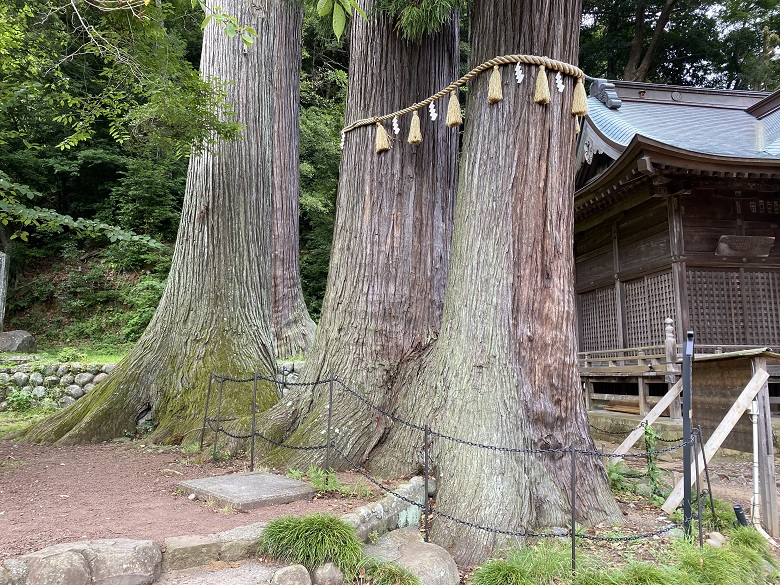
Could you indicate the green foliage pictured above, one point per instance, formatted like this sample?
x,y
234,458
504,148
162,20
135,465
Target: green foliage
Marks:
x,y
749,538
373,572
419,18
727,565
339,10
616,474
731,44
313,541
327,482
634,574
70,354
19,400
544,564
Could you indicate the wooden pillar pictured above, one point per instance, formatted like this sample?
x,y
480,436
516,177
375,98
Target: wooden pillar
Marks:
x,y
677,248
643,394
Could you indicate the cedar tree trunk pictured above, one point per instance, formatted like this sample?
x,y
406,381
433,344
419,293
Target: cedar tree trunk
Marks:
x,y
293,328
388,266
504,367
215,314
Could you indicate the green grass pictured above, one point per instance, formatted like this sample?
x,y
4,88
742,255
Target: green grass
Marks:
x,y
382,573
742,561
546,564
12,422
312,541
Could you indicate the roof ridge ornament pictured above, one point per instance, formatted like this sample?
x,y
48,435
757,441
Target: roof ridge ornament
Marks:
x,y
604,91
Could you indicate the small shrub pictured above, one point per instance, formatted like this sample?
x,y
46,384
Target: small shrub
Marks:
x,y
70,354
19,400
312,541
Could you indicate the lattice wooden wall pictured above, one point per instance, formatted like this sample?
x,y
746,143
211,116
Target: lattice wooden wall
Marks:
x,y
598,320
649,301
734,307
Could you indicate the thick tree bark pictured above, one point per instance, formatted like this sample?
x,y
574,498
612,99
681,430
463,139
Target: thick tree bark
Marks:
x,y
215,314
504,367
391,242
293,327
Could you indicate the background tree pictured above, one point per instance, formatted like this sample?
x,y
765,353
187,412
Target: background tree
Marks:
x,y
293,327
212,317
684,42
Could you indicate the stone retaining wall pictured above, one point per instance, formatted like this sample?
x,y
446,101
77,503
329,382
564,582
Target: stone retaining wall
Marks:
x,y
52,384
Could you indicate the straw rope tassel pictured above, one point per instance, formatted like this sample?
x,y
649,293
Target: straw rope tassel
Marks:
x,y
579,104
577,126
453,111
415,136
542,93
494,88
382,139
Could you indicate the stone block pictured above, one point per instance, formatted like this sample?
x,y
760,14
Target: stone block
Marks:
x,y
63,567
239,543
183,552
292,575
103,562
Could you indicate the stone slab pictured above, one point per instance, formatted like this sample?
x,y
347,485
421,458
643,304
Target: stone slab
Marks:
x,y
247,491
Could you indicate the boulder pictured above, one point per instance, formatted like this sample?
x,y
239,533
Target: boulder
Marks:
x,y
67,379
108,368
39,392
84,378
74,390
17,341
36,379
429,562
50,381
88,388
99,378
292,575
20,378
66,401
328,574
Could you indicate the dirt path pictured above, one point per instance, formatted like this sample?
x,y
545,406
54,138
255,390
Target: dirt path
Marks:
x,y
52,494
57,494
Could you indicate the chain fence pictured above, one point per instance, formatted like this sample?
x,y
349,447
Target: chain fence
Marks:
x,y
216,426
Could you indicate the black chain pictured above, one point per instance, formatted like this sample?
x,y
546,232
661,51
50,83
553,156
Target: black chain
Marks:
x,y
222,429
628,538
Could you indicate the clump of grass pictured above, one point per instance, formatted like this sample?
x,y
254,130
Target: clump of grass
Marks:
x,y
312,541
749,538
544,564
727,565
375,572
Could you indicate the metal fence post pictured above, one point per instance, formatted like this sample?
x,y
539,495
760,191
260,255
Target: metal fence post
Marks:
x,y
206,412
426,462
687,376
330,417
254,423
573,509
